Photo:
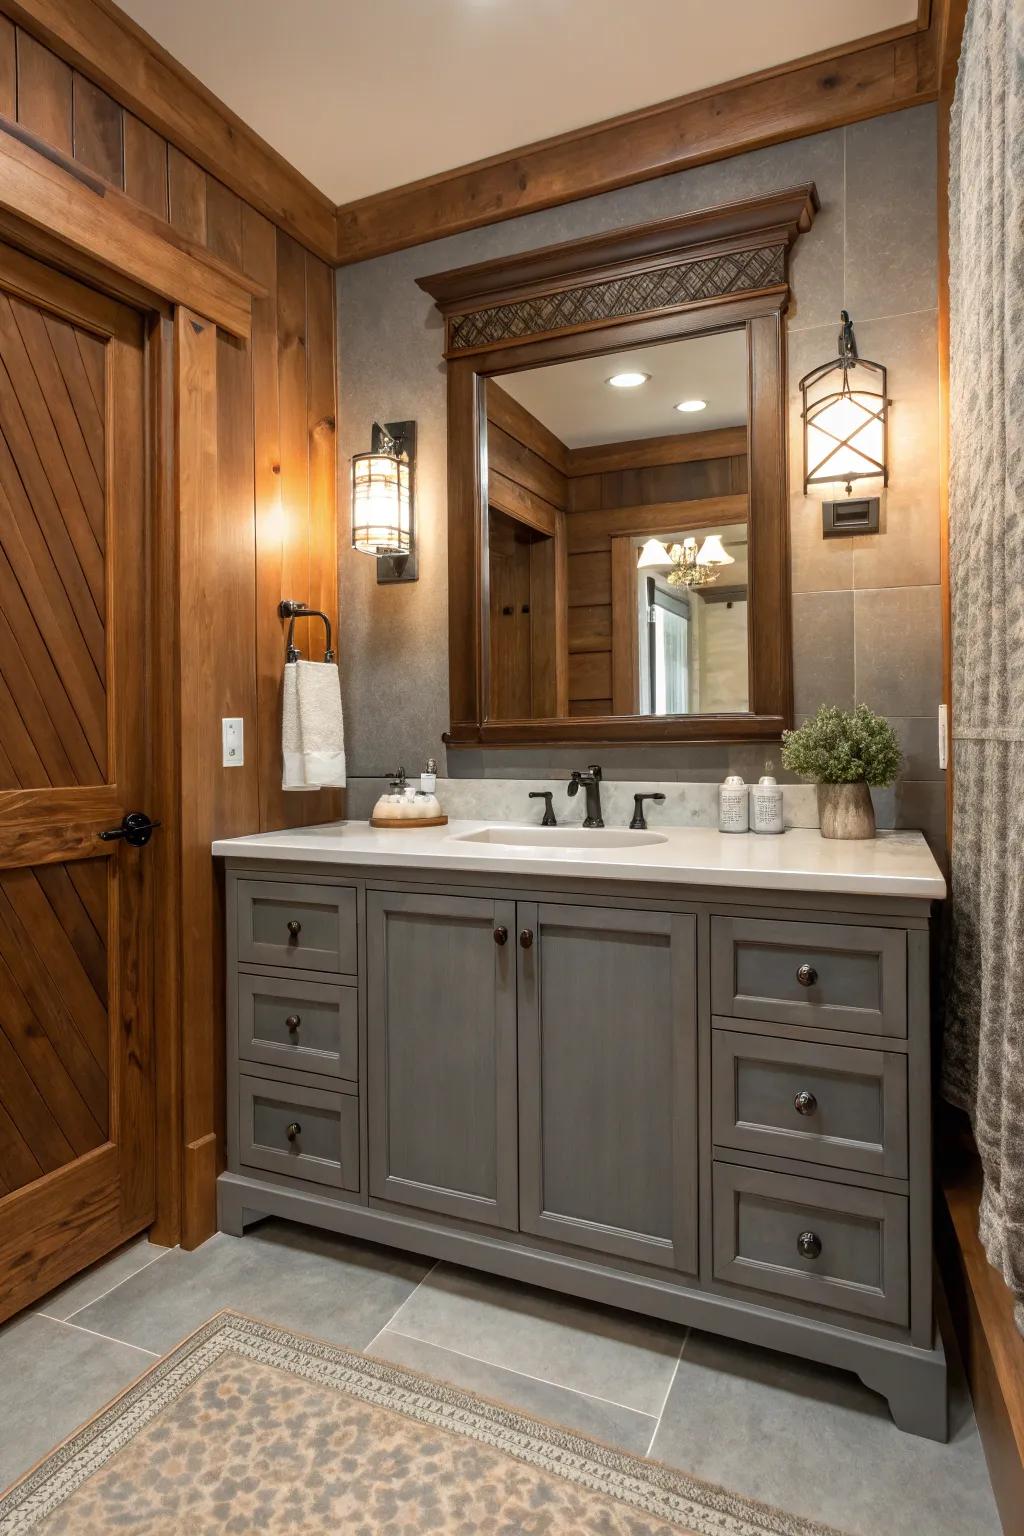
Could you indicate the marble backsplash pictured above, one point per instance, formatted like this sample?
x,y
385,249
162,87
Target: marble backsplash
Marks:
x,y
685,805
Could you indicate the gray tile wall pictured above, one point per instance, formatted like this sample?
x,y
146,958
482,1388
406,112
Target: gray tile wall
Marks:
x,y
866,614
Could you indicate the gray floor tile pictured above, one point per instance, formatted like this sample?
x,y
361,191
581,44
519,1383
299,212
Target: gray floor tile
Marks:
x,y
620,1427
52,1378
613,1355
101,1278
817,1443
330,1287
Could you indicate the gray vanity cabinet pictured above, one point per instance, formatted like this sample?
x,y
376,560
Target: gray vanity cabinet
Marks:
x,y
608,1081
441,1078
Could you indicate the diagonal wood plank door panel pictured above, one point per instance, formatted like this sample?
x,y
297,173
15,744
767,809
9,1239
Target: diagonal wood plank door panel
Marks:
x,y
76,1069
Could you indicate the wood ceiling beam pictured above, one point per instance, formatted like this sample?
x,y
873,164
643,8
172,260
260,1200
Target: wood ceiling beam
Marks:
x,y
863,79
97,38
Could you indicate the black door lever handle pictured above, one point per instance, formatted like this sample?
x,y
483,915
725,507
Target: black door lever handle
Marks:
x,y
136,829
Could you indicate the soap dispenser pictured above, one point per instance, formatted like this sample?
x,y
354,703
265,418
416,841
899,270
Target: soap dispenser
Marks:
x,y
732,805
766,803
405,807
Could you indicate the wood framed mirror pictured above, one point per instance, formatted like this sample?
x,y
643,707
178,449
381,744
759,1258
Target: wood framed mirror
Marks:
x,y
618,547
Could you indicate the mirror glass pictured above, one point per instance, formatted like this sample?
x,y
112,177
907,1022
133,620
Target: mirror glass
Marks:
x,y
617,533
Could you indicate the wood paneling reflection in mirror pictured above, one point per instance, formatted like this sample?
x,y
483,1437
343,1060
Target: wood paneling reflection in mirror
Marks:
x,y
618,530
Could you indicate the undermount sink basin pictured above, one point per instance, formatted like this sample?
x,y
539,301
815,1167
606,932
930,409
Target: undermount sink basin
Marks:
x,y
580,839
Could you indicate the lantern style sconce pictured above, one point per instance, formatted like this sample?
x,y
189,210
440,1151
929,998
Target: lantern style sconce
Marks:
x,y
846,428
382,501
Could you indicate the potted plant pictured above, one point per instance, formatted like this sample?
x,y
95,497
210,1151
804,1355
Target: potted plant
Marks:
x,y
844,752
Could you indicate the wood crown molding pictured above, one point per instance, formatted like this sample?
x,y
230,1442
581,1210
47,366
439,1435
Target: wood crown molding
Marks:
x,y
97,38
696,258
865,78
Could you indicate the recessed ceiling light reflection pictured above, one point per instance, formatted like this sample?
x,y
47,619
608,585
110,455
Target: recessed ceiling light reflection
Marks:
x,y
692,405
628,380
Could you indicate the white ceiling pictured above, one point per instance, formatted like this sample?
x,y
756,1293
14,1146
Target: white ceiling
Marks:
x,y
362,95
575,401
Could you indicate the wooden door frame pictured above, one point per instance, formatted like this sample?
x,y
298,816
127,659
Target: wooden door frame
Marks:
x,y
98,242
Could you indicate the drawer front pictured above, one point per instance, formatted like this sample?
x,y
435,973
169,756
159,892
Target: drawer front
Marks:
x,y
830,1245
306,1133
822,975
306,1025
310,927
829,1104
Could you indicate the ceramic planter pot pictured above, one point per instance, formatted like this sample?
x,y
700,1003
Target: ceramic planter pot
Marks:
x,y
845,810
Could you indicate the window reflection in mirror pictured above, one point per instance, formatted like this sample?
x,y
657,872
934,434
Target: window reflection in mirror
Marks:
x,y
591,464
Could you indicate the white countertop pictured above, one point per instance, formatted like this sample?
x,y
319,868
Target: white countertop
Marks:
x,y
893,864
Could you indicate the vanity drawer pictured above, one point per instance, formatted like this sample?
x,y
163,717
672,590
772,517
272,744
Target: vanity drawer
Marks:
x,y
308,1025
306,1133
823,975
830,1245
829,1104
310,927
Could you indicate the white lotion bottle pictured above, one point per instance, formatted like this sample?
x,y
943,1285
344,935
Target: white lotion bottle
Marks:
x,y
733,810
766,804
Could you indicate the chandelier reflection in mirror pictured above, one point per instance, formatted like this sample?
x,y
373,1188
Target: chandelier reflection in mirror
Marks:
x,y
687,564
382,501
845,415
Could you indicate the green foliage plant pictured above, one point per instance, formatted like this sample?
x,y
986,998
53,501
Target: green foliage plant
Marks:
x,y
838,746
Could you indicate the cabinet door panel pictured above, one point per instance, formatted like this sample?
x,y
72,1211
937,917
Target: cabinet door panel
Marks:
x,y
441,1054
607,1081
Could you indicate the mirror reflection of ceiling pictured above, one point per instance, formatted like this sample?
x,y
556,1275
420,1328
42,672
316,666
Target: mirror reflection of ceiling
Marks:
x,y
575,401
362,95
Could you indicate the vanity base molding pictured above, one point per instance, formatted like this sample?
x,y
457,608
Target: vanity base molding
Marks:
x,y
913,1381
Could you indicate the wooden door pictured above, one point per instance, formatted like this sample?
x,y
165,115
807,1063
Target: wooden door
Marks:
x,y
441,1057
76,1050
608,1081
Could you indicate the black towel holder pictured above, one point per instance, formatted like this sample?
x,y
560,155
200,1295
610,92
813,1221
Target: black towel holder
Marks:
x,y
290,608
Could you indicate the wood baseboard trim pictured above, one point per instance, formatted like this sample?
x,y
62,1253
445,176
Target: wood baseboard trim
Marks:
x,y
200,1167
992,1348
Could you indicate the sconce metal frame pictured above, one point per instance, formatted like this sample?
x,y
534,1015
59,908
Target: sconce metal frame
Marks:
x,y
847,360
398,438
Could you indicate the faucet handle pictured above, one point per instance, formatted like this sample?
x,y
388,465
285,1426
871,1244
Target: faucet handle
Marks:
x,y
548,819
639,822
595,770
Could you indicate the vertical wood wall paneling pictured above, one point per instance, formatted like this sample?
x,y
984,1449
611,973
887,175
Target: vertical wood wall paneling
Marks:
x,y
44,93
145,166
96,129
8,69
186,194
223,222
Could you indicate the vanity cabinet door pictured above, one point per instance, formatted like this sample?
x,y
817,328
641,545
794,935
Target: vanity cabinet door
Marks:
x,y
441,1054
608,1081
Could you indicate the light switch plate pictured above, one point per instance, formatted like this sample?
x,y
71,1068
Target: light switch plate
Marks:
x,y
943,736
233,739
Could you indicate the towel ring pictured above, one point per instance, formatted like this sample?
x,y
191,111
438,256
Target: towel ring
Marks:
x,y
289,608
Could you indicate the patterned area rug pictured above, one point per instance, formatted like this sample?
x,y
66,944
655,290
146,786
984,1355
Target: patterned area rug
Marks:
x,y
247,1428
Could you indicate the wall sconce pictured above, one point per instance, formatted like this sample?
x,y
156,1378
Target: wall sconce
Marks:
x,y
382,501
846,429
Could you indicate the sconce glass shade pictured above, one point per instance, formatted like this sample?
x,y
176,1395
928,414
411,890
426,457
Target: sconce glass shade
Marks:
x,y
381,504
846,417
654,557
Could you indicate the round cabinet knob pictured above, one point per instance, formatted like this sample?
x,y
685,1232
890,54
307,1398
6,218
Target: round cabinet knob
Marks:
x,y
805,1103
807,975
808,1245
501,935
294,927
293,1021
295,1129
526,938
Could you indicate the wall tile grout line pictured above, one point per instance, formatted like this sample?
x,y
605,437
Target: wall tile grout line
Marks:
x,y
527,1375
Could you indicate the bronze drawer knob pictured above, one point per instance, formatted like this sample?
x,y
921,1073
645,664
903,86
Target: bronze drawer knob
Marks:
x,y
807,975
809,1245
805,1103
526,938
501,935
293,1021
294,1130
294,927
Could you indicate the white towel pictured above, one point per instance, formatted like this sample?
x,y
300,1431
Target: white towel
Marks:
x,y
312,728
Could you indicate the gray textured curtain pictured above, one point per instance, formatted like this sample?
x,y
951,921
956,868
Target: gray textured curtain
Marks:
x,y
983,1065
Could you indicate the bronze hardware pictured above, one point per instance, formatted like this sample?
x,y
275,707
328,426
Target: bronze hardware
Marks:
x,y
292,1022
526,938
294,1130
805,1103
294,927
806,975
136,829
501,935
808,1245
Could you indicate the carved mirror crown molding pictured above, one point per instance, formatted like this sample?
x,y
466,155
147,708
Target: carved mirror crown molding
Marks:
x,y
676,264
